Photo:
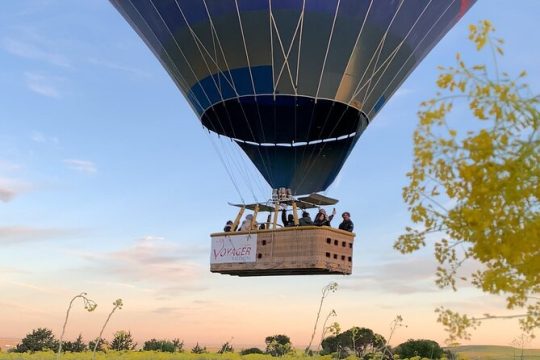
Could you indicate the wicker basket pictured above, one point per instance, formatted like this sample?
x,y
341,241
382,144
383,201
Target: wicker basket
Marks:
x,y
307,250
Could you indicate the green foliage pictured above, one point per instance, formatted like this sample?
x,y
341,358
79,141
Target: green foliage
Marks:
x,y
146,355
76,346
98,344
198,349
123,341
355,341
226,348
476,192
38,340
423,348
164,345
142,355
178,345
278,345
253,350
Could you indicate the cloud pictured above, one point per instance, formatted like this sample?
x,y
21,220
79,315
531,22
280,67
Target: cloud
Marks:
x,y
177,312
34,52
42,85
174,291
84,166
10,188
42,289
397,277
115,66
42,138
401,92
12,270
8,166
10,235
151,259
116,284
6,195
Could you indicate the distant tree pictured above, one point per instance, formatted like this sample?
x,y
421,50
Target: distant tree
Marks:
x,y
154,345
178,345
360,341
163,345
423,348
38,340
252,350
198,349
98,344
123,341
76,346
225,348
278,345
473,190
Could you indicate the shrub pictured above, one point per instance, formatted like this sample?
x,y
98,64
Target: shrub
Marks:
x,y
198,349
355,341
123,341
225,348
76,346
40,339
278,345
252,350
423,348
102,345
163,345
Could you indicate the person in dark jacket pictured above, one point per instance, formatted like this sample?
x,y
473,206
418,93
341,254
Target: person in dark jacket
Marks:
x,y
305,220
287,220
228,226
322,219
266,225
346,224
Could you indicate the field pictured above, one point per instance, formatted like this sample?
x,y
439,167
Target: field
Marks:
x,y
150,355
490,352
473,352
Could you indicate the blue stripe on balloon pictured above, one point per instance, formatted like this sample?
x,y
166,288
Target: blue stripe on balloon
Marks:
x,y
379,104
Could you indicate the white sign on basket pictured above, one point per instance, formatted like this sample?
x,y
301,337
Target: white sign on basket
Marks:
x,y
233,249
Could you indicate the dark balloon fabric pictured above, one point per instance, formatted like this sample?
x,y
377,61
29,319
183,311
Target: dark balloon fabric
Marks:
x,y
293,82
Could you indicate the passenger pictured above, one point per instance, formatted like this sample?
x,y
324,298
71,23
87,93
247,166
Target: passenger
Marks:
x,y
322,219
305,220
246,224
346,224
266,225
228,226
287,221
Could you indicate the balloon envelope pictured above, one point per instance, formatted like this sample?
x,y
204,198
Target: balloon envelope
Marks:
x,y
293,82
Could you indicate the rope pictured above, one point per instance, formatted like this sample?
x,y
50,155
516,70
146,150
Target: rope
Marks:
x,y
231,177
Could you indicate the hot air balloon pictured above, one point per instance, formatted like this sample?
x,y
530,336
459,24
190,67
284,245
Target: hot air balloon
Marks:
x,y
294,83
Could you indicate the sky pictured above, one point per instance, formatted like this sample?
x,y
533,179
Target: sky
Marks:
x,y
109,185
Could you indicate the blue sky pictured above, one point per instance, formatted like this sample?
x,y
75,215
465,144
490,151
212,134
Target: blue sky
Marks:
x,y
108,184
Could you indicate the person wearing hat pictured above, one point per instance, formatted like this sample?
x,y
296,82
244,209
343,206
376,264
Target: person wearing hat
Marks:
x,y
305,220
246,224
321,219
346,224
287,221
